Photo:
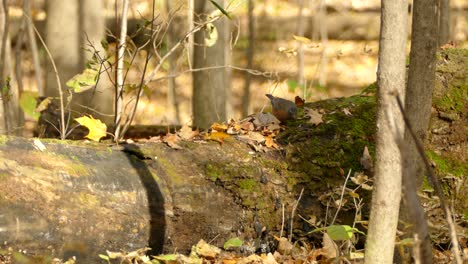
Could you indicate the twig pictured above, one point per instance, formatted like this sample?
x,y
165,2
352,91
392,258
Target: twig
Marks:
x,y
341,197
282,219
63,126
435,183
34,49
292,214
176,46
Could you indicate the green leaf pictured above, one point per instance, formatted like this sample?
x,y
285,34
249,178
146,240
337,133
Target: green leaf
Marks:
x,y
28,103
167,257
221,9
233,243
83,81
340,232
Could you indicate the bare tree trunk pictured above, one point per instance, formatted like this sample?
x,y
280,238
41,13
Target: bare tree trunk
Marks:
x,y
92,32
250,54
63,41
11,116
209,91
418,104
300,46
444,22
3,44
322,79
172,102
387,187
119,85
190,15
33,47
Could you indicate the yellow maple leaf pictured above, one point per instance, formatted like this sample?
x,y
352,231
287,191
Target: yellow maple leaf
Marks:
x,y
97,129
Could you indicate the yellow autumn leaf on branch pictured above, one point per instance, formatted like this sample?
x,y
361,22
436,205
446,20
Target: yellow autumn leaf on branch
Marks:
x,y
97,129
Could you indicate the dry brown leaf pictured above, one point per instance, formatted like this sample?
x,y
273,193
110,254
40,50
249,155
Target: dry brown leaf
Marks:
x,y
366,160
329,249
270,142
284,246
247,126
186,132
219,127
254,136
264,119
314,116
171,140
346,111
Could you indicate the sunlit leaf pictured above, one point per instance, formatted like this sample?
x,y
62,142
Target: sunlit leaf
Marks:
x,y
83,81
97,129
28,104
211,35
233,243
167,257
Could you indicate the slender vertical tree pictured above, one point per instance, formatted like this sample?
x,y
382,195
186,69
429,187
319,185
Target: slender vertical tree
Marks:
x,y
63,41
444,22
421,75
387,188
11,119
92,32
209,85
249,54
300,46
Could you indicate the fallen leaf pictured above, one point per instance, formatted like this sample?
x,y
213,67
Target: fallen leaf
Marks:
x,y
264,119
254,136
186,132
329,249
171,140
97,129
366,160
219,127
314,116
269,142
216,136
346,111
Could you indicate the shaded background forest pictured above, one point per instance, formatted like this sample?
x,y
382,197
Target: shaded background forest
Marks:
x,y
339,54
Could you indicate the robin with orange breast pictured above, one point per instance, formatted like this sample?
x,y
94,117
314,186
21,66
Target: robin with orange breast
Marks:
x,y
282,109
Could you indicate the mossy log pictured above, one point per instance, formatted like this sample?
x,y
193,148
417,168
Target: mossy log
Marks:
x,y
80,198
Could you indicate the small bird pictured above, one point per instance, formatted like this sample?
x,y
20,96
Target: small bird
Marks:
x,y
282,109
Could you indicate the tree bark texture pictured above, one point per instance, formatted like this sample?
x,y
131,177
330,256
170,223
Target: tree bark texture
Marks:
x,y
63,41
249,54
209,86
92,32
387,187
420,86
444,22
